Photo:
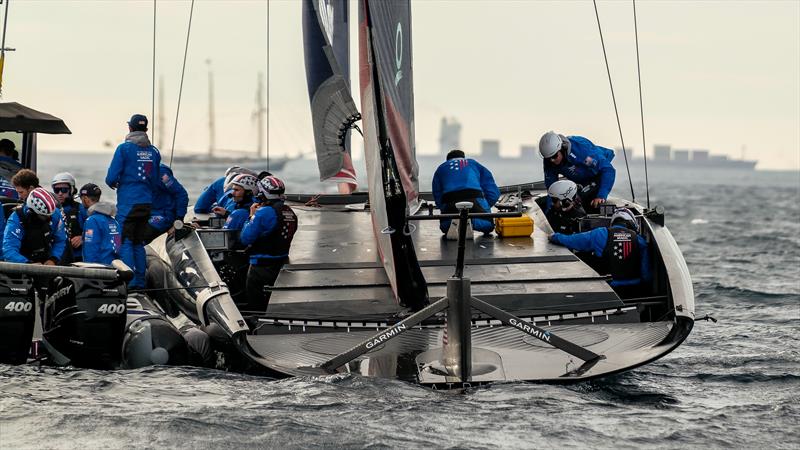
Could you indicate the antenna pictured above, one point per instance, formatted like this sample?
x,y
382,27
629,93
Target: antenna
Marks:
x,y
153,91
267,107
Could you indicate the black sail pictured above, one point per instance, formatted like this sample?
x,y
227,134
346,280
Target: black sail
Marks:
x,y
387,104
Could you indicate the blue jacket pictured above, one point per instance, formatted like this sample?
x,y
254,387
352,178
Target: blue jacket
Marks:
x,y
595,241
584,162
15,233
463,173
102,236
134,172
237,219
260,226
2,230
170,201
209,197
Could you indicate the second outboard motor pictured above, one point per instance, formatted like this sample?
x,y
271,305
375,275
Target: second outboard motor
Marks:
x,y
17,316
83,321
150,338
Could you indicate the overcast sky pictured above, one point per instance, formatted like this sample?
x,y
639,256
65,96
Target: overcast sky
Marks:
x,y
716,75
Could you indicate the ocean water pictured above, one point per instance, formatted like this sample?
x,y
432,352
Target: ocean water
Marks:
x,y
732,384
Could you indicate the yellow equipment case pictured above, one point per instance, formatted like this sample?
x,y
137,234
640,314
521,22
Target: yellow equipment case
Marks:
x,y
514,226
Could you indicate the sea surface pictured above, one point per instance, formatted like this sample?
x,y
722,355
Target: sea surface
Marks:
x,y
732,384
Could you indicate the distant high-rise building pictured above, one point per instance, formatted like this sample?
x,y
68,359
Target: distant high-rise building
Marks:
x,y
619,154
661,152
680,155
700,155
449,135
490,149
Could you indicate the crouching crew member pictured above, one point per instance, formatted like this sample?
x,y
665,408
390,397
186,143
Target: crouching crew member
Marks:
x,y
462,179
268,234
579,160
102,235
621,248
74,215
565,212
35,231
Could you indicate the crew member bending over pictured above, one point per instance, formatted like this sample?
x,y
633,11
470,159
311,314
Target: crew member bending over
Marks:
x,y
35,232
621,248
462,179
579,160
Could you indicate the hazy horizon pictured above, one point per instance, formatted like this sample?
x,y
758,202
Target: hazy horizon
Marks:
x,y
715,75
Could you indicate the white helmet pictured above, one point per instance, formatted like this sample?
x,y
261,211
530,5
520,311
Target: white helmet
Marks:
x,y
232,169
41,202
65,178
625,215
563,190
246,181
550,144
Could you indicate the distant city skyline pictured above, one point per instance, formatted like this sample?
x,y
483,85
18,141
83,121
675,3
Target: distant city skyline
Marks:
x,y
715,75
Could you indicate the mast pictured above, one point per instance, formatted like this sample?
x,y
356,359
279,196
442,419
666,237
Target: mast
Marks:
x,y
259,115
211,132
160,118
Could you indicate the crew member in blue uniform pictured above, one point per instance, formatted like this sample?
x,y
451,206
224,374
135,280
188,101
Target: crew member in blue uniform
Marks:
x,y
214,191
134,173
579,160
73,213
9,166
565,211
621,248
243,187
170,201
268,235
102,235
208,198
35,232
462,179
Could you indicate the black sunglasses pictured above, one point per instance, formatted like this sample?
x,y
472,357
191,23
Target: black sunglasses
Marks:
x,y
62,190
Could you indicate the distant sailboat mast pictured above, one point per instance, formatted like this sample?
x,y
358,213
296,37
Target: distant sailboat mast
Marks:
x,y
160,118
211,131
259,115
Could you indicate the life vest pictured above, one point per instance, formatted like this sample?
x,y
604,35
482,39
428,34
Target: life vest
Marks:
x,y
72,220
566,222
279,241
622,254
37,241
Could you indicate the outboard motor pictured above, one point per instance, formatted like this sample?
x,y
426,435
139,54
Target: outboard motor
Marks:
x,y
150,338
17,316
84,321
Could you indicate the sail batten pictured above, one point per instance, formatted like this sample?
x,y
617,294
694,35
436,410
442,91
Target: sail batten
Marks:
x,y
333,111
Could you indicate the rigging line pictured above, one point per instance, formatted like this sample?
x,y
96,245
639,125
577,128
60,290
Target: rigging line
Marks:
x,y
614,100
641,107
153,94
267,107
180,90
3,46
